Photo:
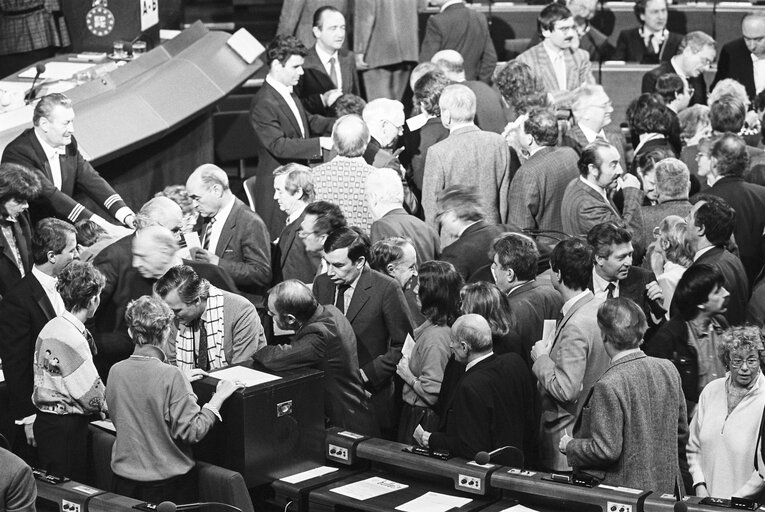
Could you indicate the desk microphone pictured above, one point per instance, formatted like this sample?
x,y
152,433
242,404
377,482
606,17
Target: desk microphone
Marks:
x,y
516,457
680,506
169,506
40,68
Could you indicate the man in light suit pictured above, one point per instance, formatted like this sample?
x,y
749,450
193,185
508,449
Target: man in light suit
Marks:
x,y
297,17
650,43
592,109
377,310
466,31
293,191
586,202
233,237
537,188
632,429
328,70
284,132
324,340
468,156
568,365
737,57
563,69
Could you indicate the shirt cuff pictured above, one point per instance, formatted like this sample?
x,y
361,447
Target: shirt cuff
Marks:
x,y
122,213
214,410
364,378
26,421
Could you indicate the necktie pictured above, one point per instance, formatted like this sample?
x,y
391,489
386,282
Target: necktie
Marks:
x,y
202,360
333,72
91,342
649,46
340,299
206,237
610,290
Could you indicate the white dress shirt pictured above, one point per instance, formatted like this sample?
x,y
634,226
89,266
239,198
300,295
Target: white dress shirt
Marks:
x,y
48,284
591,135
216,228
558,59
53,154
286,93
570,302
478,360
324,57
599,190
758,69
600,286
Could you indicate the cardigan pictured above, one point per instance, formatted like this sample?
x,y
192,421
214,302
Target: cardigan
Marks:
x,y
429,357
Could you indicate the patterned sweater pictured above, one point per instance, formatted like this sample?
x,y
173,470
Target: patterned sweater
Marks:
x,y
66,381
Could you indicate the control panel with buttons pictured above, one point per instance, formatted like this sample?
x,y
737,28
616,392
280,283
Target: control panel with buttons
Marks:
x,y
618,507
470,483
337,452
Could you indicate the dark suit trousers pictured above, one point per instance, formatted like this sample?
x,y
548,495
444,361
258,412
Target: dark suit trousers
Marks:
x,y
62,444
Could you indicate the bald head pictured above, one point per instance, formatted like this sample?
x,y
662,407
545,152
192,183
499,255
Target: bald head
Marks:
x,y
292,303
350,136
208,189
160,211
475,331
451,64
154,250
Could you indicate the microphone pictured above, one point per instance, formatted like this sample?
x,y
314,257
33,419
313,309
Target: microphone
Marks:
x,y
169,506
40,68
515,456
680,506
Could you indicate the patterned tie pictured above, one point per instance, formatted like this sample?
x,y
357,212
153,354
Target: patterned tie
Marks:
x,y
91,342
649,47
203,361
333,72
206,237
340,299
610,290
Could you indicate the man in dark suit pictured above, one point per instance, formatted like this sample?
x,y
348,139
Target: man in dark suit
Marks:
x,y
284,132
737,57
329,70
633,428
24,311
50,150
727,167
493,404
458,28
532,299
233,236
18,185
536,191
293,191
466,236
385,196
650,43
710,225
696,53
613,274
324,340
377,310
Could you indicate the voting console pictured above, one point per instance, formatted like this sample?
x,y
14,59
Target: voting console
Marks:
x,y
268,430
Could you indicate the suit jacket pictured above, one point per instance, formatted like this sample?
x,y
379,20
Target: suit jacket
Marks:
x,y
466,31
470,252
397,222
18,490
77,176
489,110
631,47
537,188
594,42
380,319
24,311
697,82
492,406
326,342
9,271
290,259
578,72
576,360
417,144
575,138
735,279
279,141
633,428
385,32
530,305
296,18
735,62
582,208
343,181
315,80
654,214
749,202
469,156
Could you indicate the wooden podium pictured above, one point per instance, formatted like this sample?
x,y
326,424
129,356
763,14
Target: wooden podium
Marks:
x,y
95,24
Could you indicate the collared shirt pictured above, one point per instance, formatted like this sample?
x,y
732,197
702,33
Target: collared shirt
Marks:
x,y
292,217
570,302
679,72
599,190
624,354
48,284
600,286
217,227
75,322
658,37
286,93
348,295
701,252
478,360
465,228
558,59
52,154
758,69
644,138
450,3
324,57
10,239
590,135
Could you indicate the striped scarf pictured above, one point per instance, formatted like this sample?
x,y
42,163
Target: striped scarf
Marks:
x,y
214,325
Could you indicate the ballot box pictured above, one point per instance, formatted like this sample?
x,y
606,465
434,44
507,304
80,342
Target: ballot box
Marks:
x,y
270,429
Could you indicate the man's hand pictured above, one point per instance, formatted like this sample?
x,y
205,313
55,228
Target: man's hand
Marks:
x,y
540,348
653,290
403,371
130,221
326,143
702,491
564,442
195,374
629,181
422,436
30,433
361,64
205,256
330,97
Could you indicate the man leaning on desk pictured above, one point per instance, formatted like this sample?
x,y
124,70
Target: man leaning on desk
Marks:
x,y
50,149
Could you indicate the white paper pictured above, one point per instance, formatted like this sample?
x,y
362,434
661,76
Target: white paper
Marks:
x,y
245,45
414,123
105,424
2,376
621,489
433,502
518,508
408,346
192,239
85,489
369,488
307,475
57,70
246,376
149,13
548,331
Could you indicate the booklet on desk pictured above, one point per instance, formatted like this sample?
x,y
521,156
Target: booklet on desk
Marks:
x,y
246,376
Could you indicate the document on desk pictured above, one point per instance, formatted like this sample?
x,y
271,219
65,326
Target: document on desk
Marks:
x,y
518,508
57,70
307,475
433,502
246,376
369,488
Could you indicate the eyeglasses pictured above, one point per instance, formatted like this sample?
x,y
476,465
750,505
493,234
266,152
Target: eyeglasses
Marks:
x,y
751,362
302,234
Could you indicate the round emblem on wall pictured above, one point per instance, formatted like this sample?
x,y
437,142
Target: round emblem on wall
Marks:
x,y
100,21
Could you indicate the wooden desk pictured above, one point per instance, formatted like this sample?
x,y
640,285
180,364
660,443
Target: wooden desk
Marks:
x,y
324,499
